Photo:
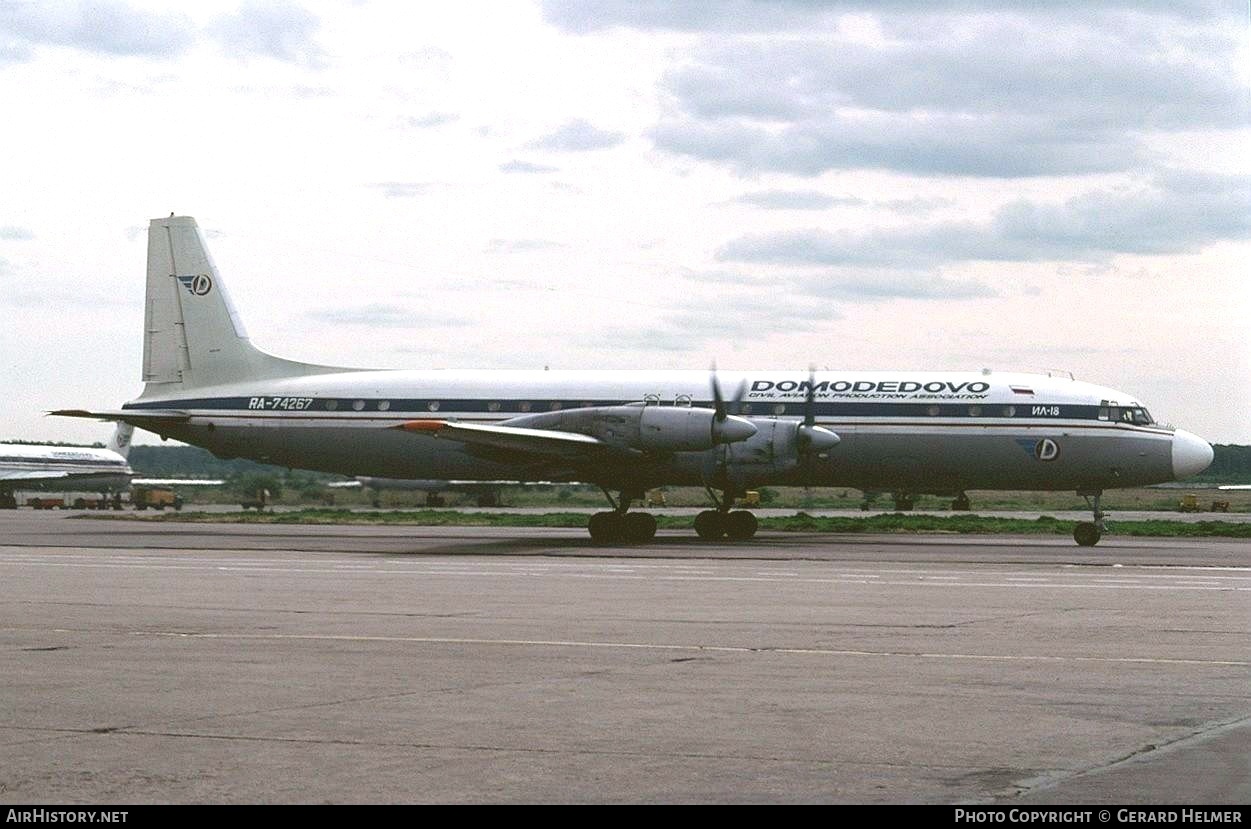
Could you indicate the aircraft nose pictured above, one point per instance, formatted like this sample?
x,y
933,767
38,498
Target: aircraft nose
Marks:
x,y
1191,454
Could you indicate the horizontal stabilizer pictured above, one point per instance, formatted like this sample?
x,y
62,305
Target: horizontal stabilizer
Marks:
x,y
132,416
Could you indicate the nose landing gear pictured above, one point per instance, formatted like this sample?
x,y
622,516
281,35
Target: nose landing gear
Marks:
x,y
1088,533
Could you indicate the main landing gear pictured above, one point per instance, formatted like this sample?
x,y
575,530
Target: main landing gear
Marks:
x,y
620,525
712,524
1088,533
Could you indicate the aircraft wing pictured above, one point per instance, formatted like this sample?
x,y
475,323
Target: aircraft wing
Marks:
x,y
34,475
1235,486
543,442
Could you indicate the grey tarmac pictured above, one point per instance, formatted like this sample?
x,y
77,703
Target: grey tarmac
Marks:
x,y
274,663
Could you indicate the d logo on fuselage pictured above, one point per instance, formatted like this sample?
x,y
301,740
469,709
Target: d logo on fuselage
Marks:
x,y
1046,450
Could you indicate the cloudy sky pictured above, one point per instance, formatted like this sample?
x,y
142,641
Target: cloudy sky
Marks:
x,y
591,183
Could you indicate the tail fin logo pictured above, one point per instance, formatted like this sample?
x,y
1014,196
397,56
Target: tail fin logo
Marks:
x,y
197,285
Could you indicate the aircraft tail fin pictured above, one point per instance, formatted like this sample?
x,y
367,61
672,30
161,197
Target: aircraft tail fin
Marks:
x,y
192,335
120,442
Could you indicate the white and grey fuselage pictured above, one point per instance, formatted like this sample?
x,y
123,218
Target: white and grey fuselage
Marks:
x,y
915,431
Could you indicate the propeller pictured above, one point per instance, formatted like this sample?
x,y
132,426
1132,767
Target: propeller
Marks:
x,y
812,439
725,420
727,427
718,399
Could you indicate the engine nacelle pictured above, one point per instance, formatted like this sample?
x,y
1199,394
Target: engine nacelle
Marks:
x,y
674,429
777,448
661,429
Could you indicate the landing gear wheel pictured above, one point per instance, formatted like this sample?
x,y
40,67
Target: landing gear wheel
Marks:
x,y
606,527
639,526
740,525
1086,534
709,526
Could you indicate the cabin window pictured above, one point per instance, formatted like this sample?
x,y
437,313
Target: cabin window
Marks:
x,y
682,400
1103,413
1009,411
331,405
780,408
384,405
745,409
933,411
975,411
555,407
433,405
523,406
493,406
358,405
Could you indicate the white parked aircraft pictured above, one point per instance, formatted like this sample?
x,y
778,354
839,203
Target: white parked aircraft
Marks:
x,y
628,431
39,466
48,466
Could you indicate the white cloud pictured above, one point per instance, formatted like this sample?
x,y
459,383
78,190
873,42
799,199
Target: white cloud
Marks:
x,y
268,28
100,26
578,135
1181,212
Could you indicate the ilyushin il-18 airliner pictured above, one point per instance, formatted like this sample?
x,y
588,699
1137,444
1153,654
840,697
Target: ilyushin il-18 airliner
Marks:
x,y
628,431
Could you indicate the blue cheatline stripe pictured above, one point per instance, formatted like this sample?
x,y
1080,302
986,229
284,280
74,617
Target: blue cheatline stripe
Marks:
x,y
432,408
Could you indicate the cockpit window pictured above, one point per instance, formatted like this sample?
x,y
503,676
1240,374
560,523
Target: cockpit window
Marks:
x,y
1136,415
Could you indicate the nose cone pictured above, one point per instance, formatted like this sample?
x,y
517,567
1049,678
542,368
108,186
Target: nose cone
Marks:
x,y
1191,454
732,429
818,438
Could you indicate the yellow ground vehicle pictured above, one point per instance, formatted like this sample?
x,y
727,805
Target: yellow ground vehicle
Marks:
x,y
751,498
257,500
154,497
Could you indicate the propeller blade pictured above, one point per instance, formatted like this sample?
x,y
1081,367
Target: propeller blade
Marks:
x,y
810,415
718,402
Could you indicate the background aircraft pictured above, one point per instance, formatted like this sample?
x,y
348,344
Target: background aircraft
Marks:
x,y
28,466
49,467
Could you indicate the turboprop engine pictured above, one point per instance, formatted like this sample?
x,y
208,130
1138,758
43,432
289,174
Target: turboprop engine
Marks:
x,y
777,447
